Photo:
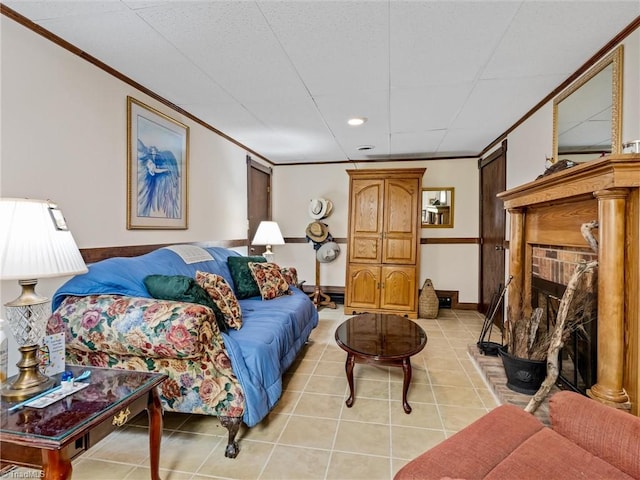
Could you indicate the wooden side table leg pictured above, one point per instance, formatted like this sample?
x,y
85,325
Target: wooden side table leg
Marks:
x,y
406,368
56,465
154,410
349,369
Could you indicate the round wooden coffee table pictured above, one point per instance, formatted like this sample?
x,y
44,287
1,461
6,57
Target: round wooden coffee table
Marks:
x,y
380,339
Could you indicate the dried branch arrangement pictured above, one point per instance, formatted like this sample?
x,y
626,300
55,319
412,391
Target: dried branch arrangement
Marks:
x,y
571,316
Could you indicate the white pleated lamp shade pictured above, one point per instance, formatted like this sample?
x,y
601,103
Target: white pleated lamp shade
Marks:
x,y
35,242
268,233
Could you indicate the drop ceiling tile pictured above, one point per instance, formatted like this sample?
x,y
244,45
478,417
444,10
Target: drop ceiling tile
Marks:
x,y
126,43
438,43
468,141
301,114
229,118
504,97
41,11
566,35
416,144
231,43
337,108
426,108
335,46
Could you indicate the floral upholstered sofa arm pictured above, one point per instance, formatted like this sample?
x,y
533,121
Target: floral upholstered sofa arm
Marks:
x,y
133,326
177,338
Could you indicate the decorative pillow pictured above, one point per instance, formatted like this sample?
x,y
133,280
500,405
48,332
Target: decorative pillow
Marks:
x,y
181,288
290,274
222,294
269,279
245,285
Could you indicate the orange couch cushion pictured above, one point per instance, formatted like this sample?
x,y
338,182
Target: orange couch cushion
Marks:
x,y
609,433
547,454
484,443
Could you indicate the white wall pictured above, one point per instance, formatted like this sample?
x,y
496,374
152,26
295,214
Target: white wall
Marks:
x,y
64,138
631,88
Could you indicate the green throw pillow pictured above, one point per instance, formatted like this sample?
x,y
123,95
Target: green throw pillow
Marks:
x,y
183,289
243,281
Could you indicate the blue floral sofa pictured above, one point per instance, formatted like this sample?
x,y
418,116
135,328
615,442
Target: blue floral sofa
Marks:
x,y
224,359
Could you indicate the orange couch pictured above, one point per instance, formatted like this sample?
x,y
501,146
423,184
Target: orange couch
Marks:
x,y
587,440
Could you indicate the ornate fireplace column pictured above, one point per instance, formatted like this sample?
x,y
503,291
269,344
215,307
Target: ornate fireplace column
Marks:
x,y
611,271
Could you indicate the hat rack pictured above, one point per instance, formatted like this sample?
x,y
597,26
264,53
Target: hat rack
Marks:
x,y
320,299
319,208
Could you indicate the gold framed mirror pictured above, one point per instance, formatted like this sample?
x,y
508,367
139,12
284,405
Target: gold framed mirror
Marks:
x,y
437,207
587,116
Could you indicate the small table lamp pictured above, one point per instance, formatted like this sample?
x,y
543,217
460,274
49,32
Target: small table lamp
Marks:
x,y
34,243
268,234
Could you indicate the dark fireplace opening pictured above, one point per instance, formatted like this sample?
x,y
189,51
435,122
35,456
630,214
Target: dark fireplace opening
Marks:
x,y
578,357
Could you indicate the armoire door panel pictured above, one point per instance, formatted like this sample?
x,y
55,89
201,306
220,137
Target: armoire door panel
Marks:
x,y
365,233
365,286
365,250
366,207
399,250
401,206
400,226
398,290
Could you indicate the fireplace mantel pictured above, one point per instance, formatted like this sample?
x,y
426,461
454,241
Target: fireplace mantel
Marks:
x,y
550,211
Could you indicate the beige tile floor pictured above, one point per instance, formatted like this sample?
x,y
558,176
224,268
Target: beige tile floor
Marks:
x,y
311,434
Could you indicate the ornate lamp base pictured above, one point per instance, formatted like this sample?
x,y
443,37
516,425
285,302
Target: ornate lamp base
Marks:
x,y
29,381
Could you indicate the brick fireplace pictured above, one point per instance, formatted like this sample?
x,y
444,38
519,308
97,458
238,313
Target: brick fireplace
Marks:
x,y
545,239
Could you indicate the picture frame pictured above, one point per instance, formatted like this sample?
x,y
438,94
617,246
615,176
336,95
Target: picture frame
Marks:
x,y
157,169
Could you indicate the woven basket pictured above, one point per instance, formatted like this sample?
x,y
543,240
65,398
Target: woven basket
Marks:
x,y
428,302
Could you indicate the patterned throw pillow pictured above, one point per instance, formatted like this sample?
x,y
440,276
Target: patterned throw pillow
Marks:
x,y
223,296
269,279
290,274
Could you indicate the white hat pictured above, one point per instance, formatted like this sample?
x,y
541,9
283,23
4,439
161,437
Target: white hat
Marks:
x,y
328,252
320,208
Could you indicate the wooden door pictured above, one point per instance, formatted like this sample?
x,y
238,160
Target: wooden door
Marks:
x,y
365,233
364,287
258,200
400,209
492,228
398,288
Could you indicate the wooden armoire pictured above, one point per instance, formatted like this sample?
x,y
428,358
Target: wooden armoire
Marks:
x,y
383,248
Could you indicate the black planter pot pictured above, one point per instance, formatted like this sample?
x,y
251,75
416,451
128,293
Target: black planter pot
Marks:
x,y
523,375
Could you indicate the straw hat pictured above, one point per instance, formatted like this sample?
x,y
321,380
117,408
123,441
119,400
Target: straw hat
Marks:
x,y
317,231
320,208
328,252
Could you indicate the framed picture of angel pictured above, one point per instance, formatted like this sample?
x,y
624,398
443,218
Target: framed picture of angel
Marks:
x,y
157,169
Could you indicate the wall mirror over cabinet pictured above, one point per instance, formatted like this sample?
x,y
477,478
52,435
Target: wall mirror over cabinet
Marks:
x,y
587,115
437,207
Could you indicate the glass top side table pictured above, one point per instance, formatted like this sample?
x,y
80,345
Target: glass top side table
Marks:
x,y
50,437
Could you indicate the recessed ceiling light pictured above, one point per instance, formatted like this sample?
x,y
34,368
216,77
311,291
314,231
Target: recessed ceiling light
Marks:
x,y
355,121
363,148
